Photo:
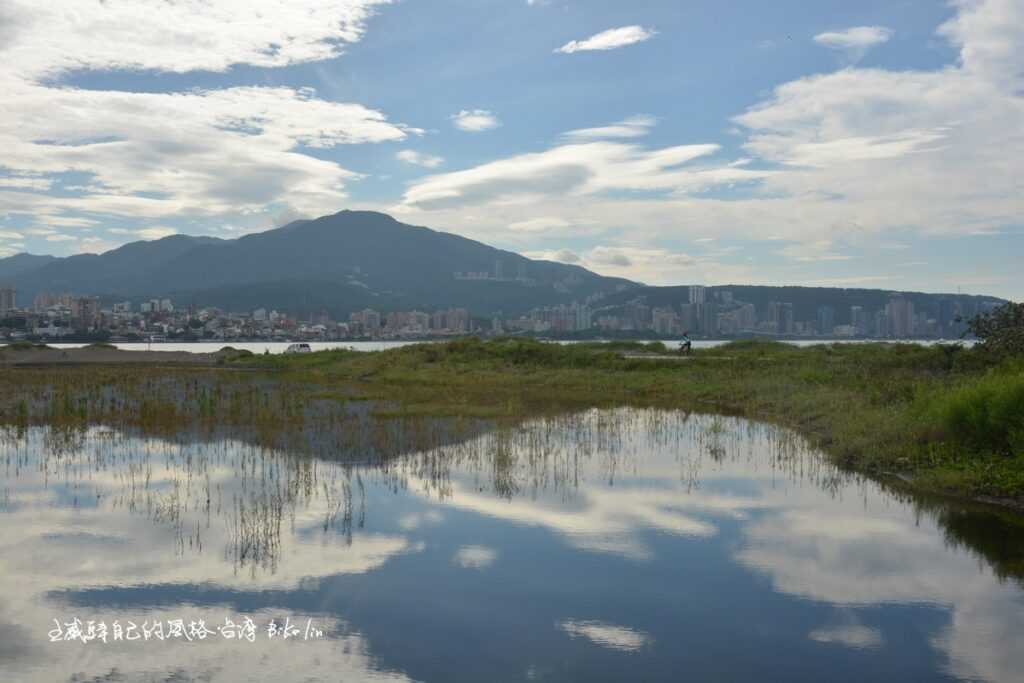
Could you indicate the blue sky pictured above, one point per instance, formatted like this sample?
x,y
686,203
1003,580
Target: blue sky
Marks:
x,y
870,144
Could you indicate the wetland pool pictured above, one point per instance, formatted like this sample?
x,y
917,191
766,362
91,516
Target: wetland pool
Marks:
x,y
608,545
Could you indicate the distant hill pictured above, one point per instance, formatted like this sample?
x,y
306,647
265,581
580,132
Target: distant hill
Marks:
x,y
16,265
339,263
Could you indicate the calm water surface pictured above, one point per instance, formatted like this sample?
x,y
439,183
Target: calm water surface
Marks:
x,y
619,545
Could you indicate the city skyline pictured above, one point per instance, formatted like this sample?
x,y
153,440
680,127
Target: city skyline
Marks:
x,y
711,313
865,145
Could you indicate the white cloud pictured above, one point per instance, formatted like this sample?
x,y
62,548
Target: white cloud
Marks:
x,y
475,120
544,224
198,152
559,255
937,151
61,238
44,39
633,127
629,256
72,221
814,251
857,39
573,169
10,235
410,156
97,245
23,183
855,157
609,40
153,233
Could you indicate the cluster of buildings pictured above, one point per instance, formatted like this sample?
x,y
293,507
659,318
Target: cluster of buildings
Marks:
x,y
705,313
717,313
56,316
498,274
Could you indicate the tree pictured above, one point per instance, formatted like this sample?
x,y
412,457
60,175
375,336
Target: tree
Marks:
x,y
1001,330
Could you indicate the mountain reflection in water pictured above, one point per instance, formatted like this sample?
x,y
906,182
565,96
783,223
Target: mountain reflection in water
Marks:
x,y
607,545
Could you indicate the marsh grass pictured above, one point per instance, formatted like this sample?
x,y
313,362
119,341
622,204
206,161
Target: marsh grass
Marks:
x,y
947,417
872,407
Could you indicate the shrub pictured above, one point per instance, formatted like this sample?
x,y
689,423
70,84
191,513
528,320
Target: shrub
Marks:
x,y
1001,330
986,414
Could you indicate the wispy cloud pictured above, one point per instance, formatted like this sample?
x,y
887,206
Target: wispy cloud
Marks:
x,y
575,169
609,40
544,224
633,127
152,233
856,41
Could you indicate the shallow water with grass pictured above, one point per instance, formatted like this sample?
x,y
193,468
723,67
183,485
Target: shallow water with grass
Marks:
x,y
605,545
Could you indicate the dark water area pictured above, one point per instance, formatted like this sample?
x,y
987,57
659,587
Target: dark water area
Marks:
x,y
615,545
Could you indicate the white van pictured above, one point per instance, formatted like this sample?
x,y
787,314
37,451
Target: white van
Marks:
x,y
298,348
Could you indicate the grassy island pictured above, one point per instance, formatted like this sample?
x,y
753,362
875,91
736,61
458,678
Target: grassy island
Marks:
x,y
942,418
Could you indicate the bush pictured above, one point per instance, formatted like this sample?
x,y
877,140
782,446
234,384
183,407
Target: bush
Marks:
x,y
986,414
1001,330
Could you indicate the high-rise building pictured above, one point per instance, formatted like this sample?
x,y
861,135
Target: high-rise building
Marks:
x,y
583,317
371,319
419,321
780,315
859,320
688,317
8,300
664,321
498,270
901,318
697,294
746,317
86,311
709,319
458,320
786,319
826,320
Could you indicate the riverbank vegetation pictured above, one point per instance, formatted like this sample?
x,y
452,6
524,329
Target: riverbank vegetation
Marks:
x,y
947,417
943,418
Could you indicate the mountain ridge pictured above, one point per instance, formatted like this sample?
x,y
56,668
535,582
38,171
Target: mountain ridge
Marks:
x,y
352,258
